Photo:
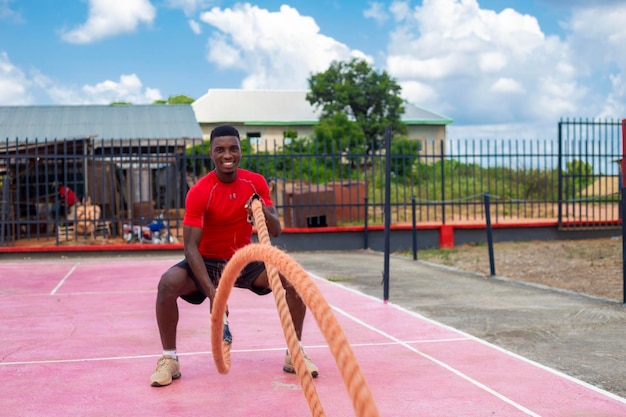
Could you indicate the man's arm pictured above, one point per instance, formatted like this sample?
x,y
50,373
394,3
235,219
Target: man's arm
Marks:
x,y
272,220
191,239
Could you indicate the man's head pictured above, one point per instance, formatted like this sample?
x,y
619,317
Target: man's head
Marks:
x,y
224,130
225,152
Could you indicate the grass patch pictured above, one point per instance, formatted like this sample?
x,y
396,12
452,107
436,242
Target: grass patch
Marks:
x,y
340,279
443,254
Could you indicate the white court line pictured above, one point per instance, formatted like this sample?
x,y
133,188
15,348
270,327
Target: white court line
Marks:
x,y
235,351
395,341
484,342
82,293
438,362
64,278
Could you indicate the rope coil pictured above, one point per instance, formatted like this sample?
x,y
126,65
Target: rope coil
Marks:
x,y
276,262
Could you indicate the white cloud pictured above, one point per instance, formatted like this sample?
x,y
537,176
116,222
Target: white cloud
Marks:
x,y
195,26
597,44
14,84
408,66
190,7
481,67
376,12
6,13
109,18
277,50
421,92
506,85
129,88
615,103
19,88
541,130
400,10
492,61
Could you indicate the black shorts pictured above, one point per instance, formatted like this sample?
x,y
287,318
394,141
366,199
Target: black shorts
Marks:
x,y
215,267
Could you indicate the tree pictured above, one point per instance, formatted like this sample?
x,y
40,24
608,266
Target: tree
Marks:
x,y
336,133
369,98
179,99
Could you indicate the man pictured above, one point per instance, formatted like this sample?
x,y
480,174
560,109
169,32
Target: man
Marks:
x,y
214,227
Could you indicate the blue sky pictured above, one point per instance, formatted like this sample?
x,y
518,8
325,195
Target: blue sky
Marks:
x,y
499,68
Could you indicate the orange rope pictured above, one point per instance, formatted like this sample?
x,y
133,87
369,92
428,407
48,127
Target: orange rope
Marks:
x,y
277,261
304,376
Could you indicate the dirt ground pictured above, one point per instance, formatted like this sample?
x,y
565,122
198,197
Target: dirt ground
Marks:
x,y
591,266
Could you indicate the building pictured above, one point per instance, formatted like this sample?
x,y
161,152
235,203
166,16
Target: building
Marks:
x,y
124,159
265,115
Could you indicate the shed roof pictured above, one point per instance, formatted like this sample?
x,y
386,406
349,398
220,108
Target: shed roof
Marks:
x,y
280,107
100,121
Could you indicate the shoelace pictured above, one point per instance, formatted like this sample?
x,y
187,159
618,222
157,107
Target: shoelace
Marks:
x,y
163,365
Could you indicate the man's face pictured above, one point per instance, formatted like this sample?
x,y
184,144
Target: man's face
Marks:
x,y
226,154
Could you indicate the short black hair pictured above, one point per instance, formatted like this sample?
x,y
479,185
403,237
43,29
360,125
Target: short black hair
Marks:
x,y
224,130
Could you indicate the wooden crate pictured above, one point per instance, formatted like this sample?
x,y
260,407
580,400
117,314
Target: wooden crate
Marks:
x,y
68,231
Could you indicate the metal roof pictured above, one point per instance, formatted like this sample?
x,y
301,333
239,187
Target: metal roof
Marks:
x,y
280,107
414,115
249,106
99,121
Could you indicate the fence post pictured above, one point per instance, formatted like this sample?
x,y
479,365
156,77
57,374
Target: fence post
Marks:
x,y
623,211
560,177
492,262
414,228
443,182
387,209
365,236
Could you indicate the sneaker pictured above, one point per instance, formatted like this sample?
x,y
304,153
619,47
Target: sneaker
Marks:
x,y
288,366
227,336
167,370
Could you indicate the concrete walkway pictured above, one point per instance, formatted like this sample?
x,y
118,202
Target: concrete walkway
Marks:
x,y
581,336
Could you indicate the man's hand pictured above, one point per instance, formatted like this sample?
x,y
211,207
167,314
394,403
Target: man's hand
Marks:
x,y
248,207
210,294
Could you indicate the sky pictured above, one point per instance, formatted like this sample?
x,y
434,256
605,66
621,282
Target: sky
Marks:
x,y
501,69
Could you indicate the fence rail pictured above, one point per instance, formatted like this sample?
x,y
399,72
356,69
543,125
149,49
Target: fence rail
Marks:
x,y
133,190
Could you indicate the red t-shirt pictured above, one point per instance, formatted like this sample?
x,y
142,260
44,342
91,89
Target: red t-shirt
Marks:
x,y
219,209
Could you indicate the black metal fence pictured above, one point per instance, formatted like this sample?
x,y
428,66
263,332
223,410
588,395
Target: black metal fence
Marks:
x,y
134,190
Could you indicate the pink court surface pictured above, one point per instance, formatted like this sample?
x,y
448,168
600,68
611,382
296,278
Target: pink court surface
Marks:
x,y
79,338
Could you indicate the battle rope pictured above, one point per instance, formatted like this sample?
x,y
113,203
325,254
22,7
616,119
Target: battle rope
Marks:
x,y
276,262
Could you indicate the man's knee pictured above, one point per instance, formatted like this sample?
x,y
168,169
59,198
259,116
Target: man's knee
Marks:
x,y
261,281
172,282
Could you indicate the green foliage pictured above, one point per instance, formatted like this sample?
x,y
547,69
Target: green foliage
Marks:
x,y
328,156
405,154
578,176
121,103
336,133
540,185
369,98
198,159
262,162
179,99
290,134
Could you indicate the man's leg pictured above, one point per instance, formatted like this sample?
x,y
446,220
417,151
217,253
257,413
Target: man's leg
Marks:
x,y
174,282
297,309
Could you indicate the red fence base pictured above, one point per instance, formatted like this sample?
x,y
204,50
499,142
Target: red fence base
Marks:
x,y
446,237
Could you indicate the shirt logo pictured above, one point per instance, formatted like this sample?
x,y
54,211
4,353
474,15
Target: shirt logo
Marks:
x,y
232,196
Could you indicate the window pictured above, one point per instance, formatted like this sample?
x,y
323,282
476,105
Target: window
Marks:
x,y
254,137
